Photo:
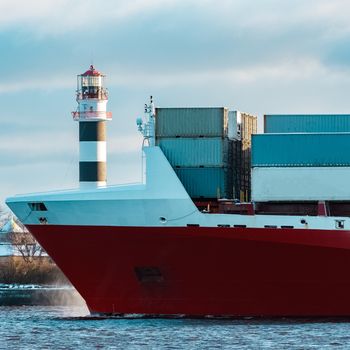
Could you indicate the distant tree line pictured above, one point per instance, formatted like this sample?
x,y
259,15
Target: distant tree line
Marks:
x,y
21,239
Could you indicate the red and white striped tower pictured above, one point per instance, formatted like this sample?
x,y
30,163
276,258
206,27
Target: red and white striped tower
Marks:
x,y
92,98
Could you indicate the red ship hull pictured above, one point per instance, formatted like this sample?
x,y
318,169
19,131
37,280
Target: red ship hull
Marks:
x,y
199,271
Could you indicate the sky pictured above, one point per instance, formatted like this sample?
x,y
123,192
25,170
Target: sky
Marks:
x,y
267,56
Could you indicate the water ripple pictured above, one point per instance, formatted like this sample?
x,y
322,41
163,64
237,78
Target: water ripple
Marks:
x,y
64,328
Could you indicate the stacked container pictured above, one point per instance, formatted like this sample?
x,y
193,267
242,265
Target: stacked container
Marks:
x,y
191,122
248,128
209,149
195,142
302,158
310,123
301,150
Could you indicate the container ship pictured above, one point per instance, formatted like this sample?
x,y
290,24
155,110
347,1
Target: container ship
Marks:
x,y
226,223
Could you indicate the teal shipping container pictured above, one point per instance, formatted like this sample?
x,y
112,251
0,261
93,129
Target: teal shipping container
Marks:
x,y
316,123
192,122
295,150
196,152
206,182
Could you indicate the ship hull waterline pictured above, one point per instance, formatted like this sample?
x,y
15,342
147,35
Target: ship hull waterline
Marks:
x,y
204,271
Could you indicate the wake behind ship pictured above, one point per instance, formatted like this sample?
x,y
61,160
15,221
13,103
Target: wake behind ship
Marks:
x,y
153,249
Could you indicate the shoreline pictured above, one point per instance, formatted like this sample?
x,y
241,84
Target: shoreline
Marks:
x,y
35,295
36,283
39,271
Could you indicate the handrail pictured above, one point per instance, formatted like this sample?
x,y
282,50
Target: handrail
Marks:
x,y
92,115
101,95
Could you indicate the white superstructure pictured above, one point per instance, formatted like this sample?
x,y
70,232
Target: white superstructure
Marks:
x,y
161,201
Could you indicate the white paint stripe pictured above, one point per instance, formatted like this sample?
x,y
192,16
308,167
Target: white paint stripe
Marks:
x,y
92,184
90,151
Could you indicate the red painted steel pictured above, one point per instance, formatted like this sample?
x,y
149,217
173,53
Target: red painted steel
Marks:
x,y
92,72
204,271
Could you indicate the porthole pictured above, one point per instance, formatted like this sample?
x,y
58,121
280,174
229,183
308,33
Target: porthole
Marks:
x,y
163,220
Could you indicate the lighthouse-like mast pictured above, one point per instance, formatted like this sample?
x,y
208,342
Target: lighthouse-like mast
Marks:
x,y
92,98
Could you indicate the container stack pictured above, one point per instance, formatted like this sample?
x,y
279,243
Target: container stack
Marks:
x,y
195,142
307,123
302,159
205,147
248,128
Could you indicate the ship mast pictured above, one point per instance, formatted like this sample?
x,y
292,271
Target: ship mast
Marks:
x,y
92,98
147,127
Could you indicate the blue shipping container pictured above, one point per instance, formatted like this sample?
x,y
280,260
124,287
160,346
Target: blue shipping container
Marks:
x,y
195,152
288,150
205,182
292,123
191,122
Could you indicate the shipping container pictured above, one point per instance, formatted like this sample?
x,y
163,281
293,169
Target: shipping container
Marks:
x,y
245,173
300,184
209,138
196,152
249,126
241,125
294,150
237,168
192,122
234,125
206,182
292,123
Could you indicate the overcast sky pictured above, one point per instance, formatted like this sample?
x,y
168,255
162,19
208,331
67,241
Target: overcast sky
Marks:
x,y
268,56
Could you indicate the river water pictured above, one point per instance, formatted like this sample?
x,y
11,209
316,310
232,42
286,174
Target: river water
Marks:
x,y
47,327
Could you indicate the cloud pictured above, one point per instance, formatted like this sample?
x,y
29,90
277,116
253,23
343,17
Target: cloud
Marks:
x,y
57,17
48,146
30,83
37,147
62,16
170,42
289,69
125,144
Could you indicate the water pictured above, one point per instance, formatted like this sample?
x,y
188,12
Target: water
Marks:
x,y
34,327
33,294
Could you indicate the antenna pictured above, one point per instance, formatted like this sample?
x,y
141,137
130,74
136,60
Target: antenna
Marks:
x,y
92,58
147,127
